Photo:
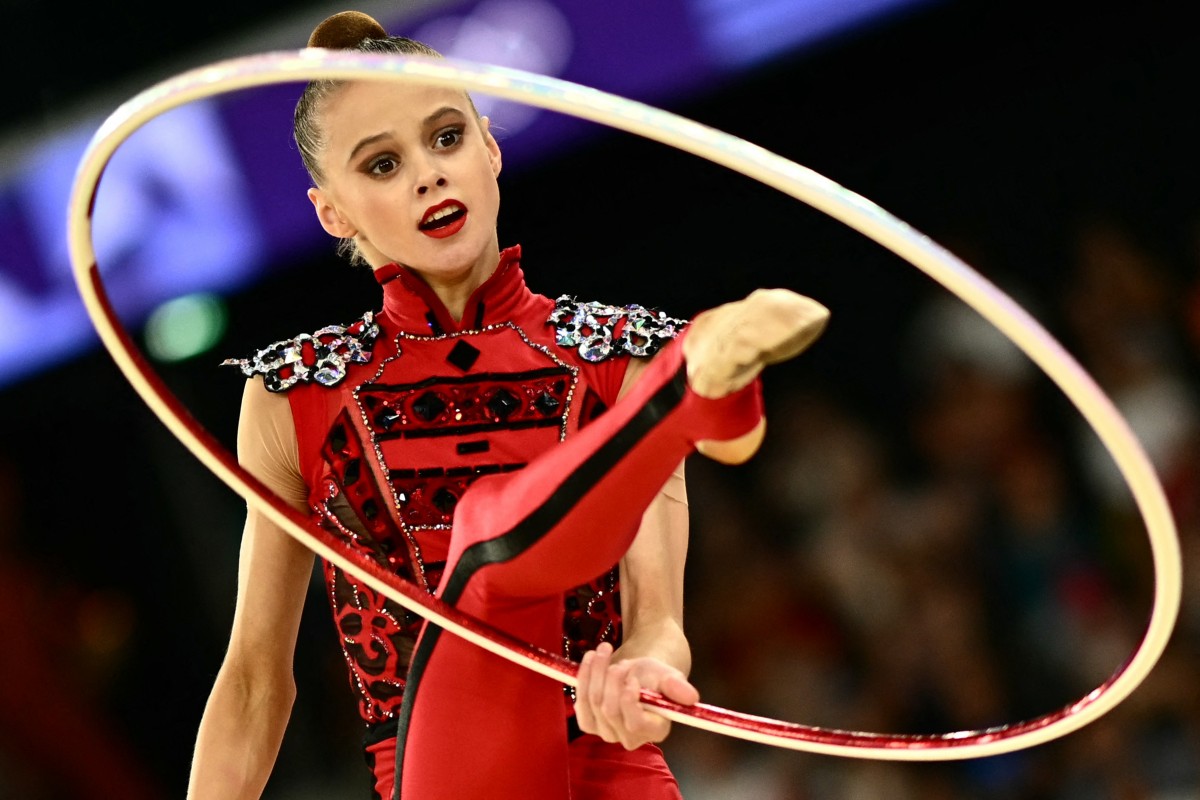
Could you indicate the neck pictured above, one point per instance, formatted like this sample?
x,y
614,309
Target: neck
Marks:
x,y
455,291
455,287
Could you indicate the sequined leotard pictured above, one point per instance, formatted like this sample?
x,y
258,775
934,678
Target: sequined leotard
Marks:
x,y
396,417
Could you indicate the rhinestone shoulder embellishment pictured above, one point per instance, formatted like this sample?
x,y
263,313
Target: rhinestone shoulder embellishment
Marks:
x,y
593,328
322,357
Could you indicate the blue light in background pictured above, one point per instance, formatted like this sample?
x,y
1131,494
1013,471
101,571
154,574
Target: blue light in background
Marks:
x,y
205,197
529,35
171,216
743,33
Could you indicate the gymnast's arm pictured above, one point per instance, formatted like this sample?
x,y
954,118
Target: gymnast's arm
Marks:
x,y
251,700
654,653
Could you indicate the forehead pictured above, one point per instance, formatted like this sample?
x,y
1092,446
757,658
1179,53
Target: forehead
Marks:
x,y
367,108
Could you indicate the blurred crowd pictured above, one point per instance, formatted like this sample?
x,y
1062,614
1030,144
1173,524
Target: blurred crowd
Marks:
x,y
955,552
977,563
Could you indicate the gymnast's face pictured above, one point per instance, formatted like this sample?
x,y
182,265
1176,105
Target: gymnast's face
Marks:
x,y
410,174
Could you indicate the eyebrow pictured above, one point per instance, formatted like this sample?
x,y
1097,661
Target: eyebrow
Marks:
x,y
427,122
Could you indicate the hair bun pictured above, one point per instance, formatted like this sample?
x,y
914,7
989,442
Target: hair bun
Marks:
x,y
345,30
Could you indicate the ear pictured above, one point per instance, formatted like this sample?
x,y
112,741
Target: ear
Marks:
x,y
330,218
493,147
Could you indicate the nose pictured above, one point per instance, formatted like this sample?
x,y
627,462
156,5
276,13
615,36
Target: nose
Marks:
x,y
423,186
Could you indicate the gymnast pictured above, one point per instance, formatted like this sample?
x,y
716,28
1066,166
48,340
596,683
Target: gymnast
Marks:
x,y
519,457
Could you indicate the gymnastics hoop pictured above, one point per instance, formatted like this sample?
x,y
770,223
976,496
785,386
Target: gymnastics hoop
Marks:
x,y
740,156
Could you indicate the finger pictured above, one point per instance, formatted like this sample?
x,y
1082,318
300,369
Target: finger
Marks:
x,y
601,663
636,727
638,724
615,694
583,709
678,689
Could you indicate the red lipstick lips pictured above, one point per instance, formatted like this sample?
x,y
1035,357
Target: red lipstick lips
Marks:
x,y
445,219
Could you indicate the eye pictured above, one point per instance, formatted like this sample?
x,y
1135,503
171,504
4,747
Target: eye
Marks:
x,y
448,137
382,165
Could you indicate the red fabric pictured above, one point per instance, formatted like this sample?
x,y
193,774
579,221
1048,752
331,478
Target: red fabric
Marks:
x,y
477,424
467,700
604,771
407,501
599,771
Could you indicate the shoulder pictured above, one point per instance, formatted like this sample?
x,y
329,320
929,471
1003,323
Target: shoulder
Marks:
x,y
601,331
321,357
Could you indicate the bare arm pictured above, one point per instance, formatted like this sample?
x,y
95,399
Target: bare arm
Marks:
x,y
652,582
654,654
247,712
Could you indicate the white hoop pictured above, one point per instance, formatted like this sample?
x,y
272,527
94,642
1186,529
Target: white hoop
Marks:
x,y
740,156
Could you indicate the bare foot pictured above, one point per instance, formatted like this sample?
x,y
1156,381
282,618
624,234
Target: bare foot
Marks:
x,y
728,346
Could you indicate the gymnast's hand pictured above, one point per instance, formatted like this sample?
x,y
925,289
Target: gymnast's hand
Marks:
x,y
607,692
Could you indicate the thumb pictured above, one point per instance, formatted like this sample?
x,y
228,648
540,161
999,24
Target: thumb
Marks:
x,y
677,688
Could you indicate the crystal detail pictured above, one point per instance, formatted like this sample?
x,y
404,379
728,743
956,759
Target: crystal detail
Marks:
x,y
463,355
445,500
428,406
503,403
323,357
387,417
546,403
600,331
338,440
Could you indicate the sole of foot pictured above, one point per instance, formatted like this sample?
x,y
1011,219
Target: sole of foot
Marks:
x,y
728,346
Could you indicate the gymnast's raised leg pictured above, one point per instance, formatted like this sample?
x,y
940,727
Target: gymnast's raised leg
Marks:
x,y
475,724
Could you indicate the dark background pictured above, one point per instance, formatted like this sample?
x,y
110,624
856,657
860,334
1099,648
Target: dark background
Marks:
x,y
1000,129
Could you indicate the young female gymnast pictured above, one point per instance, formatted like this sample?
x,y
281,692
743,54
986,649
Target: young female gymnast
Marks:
x,y
494,446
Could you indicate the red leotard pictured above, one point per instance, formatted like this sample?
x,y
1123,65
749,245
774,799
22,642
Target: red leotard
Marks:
x,y
396,417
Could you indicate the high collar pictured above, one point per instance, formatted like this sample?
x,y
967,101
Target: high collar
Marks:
x,y
415,308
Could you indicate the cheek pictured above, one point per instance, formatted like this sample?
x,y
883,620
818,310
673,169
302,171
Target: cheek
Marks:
x,y
493,191
387,207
